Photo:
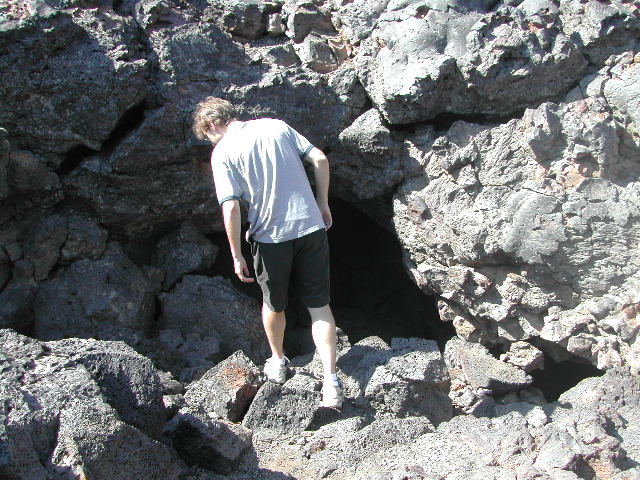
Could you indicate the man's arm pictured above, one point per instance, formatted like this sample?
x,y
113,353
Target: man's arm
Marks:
x,y
231,214
321,173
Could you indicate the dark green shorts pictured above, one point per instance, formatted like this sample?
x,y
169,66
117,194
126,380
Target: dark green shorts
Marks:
x,y
302,263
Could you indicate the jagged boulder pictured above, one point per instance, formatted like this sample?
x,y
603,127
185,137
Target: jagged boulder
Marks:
x,y
210,443
81,58
466,62
183,251
212,307
108,298
285,408
188,356
128,381
227,389
55,420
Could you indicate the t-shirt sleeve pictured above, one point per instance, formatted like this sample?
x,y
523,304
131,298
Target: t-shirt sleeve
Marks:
x,y
224,178
303,146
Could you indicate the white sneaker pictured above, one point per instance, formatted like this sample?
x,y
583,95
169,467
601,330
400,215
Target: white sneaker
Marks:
x,y
276,369
332,394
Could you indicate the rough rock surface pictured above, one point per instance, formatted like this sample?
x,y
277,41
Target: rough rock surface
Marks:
x,y
108,298
60,414
185,251
227,389
525,229
211,306
507,132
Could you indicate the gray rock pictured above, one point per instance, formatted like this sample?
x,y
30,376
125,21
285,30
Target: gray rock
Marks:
x,y
187,356
525,356
484,371
93,442
368,164
227,389
16,305
213,444
42,244
128,381
90,56
85,239
284,408
315,53
247,18
509,249
412,381
184,251
304,17
344,82
283,55
465,64
107,298
28,173
601,29
405,379
212,307
55,421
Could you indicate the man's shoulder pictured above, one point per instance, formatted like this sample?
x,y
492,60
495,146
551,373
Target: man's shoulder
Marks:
x,y
268,122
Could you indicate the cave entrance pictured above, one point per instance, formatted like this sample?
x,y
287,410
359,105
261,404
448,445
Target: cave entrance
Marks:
x,y
371,293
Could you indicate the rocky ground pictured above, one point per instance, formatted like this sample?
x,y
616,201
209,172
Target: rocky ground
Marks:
x,y
497,140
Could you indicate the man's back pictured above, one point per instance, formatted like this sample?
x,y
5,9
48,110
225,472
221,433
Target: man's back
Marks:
x,y
260,163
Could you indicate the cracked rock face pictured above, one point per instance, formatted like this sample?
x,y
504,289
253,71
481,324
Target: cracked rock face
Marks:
x,y
526,230
506,133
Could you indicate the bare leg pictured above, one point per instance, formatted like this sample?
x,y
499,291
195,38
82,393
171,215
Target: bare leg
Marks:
x,y
323,329
274,324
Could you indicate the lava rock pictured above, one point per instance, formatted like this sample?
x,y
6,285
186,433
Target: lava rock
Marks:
x,y
16,305
227,389
91,57
601,30
303,18
42,244
368,164
209,443
184,251
412,381
484,371
108,298
187,356
465,63
525,356
538,209
284,408
54,419
93,442
28,173
129,381
315,53
212,307
85,239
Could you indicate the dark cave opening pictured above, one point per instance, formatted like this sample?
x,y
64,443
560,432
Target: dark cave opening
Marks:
x,y
558,377
371,293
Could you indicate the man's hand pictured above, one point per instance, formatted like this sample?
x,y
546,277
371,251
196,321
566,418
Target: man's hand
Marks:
x,y
241,269
326,216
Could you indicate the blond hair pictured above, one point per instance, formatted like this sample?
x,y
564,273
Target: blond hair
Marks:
x,y
212,110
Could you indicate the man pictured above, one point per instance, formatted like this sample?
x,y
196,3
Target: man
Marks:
x,y
258,162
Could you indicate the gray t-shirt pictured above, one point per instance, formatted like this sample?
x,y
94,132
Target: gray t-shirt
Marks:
x,y
259,163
